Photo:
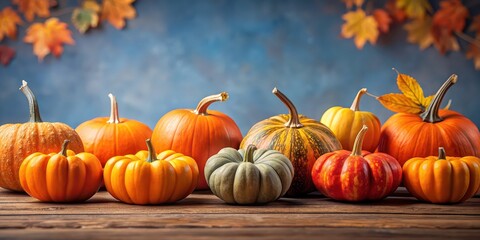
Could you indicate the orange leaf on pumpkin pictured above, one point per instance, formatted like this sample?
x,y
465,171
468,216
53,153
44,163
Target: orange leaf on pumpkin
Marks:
x,y
419,32
414,8
30,8
116,11
357,24
383,20
6,54
397,102
9,20
351,3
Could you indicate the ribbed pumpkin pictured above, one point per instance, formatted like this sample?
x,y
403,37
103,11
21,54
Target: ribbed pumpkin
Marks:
x,y
442,179
61,177
356,175
405,136
108,137
17,141
147,178
249,176
346,122
299,138
198,133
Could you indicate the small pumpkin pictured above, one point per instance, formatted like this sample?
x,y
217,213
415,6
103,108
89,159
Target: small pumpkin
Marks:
x,y
249,176
61,177
299,138
405,136
108,137
17,141
346,122
198,133
147,178
356,175
442,179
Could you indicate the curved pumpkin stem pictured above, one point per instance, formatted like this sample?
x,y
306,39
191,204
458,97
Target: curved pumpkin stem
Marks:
x,y
32,103
205,102
431,114
152,155
63,152
442,155
357,145
248,157
114,118
294,121
356,101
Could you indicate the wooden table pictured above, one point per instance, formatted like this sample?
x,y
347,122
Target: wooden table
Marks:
x,y
204,216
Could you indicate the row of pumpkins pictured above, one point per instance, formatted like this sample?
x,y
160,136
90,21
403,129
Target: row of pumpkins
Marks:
x,y
287,154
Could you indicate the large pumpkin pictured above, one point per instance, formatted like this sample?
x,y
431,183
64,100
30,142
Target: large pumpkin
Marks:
x,y
198,133
17,141
108,137
405,136
299,138
346,122
61,177
249,176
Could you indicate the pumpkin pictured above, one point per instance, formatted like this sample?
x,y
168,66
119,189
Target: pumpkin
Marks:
x,y
147,178
346,122
61,177
198,133
405,136
442,179
356,175
17,141
299,138
108,137
249,176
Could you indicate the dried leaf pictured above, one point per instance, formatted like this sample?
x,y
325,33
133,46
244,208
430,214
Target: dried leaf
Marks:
x,y
357,24
451,15
6,54
414,8
444,40
410,88
351,3
473,53
397,14
48,37
86,17
397,102
475,25
419,32
383,20
9,20
116,11
30,8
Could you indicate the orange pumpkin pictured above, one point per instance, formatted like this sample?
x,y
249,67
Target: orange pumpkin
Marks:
x,y
108,137
17,141
144,178
61,177
405,136
198,133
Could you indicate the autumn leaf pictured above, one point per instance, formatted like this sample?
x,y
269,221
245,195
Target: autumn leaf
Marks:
x,y
30,8
475,25
427,100
397,14
414,8
6,54
451,15
9,20
397,102
444,40
383,20
48,37
86,17
410,88
419,32
116,11
473,53
351,3
357,24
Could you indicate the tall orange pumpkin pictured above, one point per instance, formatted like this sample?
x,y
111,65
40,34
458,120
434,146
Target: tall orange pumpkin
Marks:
x,y
405,136
108,137
17,141
198,133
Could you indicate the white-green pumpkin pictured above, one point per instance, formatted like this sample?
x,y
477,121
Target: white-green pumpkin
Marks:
x,y
249,176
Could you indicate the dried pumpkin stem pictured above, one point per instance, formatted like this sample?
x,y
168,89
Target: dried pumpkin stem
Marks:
x,y
294,121
441,153
356,101
357,145
431,114
248,157
32,103
64,148
152,155
205,102
114,118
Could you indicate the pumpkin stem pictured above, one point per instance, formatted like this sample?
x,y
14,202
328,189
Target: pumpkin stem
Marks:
x,y
205,102
64,148
248,157
32,103
114,118
294,121
152,155
441,153
431,114
356,101
357,145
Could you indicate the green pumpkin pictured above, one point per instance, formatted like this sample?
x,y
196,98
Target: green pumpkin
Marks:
x,y
249,176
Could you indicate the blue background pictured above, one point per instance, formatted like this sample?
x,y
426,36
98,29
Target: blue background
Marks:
x,y
176,52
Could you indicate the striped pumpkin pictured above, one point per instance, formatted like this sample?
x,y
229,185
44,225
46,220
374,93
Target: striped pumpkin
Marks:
x,y
299,138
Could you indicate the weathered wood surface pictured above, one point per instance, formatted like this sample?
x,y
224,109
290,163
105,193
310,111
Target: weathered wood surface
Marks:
x,y
204,216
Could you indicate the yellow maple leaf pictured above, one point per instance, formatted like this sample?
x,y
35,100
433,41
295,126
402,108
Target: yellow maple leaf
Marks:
x,y
48,37
414,8
116,11
9,20
474,53
357,24
427,100
30,8
397,102
351,3
419,32
410,88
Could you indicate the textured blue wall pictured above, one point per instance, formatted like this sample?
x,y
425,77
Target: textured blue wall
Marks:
x,y
176,52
